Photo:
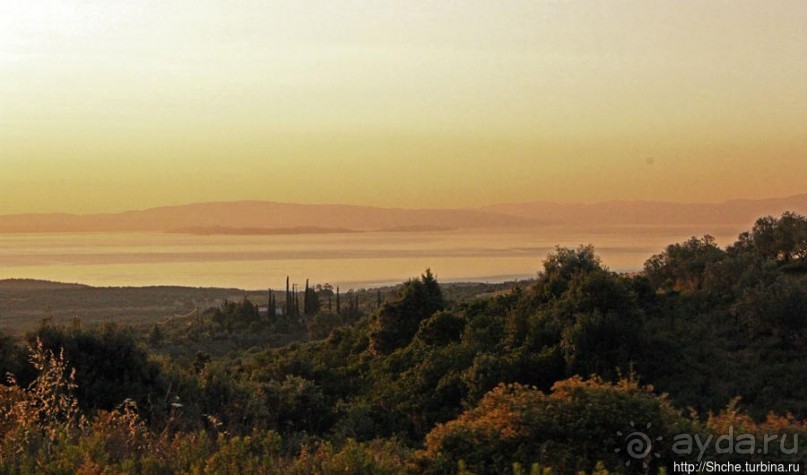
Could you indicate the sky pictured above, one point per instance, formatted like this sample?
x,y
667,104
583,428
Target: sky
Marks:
x,y
107,106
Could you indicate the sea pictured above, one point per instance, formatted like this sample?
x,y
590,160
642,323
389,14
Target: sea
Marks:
x,y
349,260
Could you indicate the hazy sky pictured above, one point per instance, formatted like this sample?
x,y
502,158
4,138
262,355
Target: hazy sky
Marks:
x,y
109,105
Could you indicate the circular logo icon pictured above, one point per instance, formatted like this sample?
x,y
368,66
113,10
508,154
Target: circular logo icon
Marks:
x,y
638,445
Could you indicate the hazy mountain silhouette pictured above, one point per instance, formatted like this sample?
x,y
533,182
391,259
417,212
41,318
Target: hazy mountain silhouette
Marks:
x,y
260,214
266,215
732,212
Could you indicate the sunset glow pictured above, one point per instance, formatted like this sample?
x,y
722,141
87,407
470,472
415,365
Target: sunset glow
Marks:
x,y
405,104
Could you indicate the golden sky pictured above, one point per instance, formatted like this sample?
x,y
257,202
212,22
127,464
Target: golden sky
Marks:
x,y
107,105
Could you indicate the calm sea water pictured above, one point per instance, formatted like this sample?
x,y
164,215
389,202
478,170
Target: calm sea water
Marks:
x,y
349,260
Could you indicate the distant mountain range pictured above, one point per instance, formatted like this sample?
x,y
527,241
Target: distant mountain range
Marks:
x,y
264,217
240,215
732,212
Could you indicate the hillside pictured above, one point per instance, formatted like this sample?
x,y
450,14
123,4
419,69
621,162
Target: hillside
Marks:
x,y
26,303
33,284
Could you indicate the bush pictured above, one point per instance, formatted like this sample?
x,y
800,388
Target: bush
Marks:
x,y
572,428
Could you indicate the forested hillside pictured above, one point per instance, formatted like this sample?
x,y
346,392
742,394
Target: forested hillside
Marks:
x,y
546,375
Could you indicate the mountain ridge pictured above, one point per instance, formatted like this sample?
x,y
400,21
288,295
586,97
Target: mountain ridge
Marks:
x,y
271,214
256,214
643,212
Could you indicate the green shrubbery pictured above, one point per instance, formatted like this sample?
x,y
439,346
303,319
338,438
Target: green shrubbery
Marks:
x,y
521,382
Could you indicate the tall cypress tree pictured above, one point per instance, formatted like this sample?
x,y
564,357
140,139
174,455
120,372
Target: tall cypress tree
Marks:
x,y
295,304
310,300
306,300
289,307
296,301
270,305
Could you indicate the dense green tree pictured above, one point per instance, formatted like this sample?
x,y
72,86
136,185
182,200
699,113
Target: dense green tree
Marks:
x,y
109,364
236,315
14,360
682,267
441,329
599,343
779,309
297,404
560,267
396,322
321,324
783,239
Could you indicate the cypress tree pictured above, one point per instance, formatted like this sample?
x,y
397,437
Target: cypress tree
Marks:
x,y
288,299
270,305
295,304
306,299
310,300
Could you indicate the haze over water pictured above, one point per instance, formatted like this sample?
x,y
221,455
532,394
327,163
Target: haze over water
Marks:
x,y
351,260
